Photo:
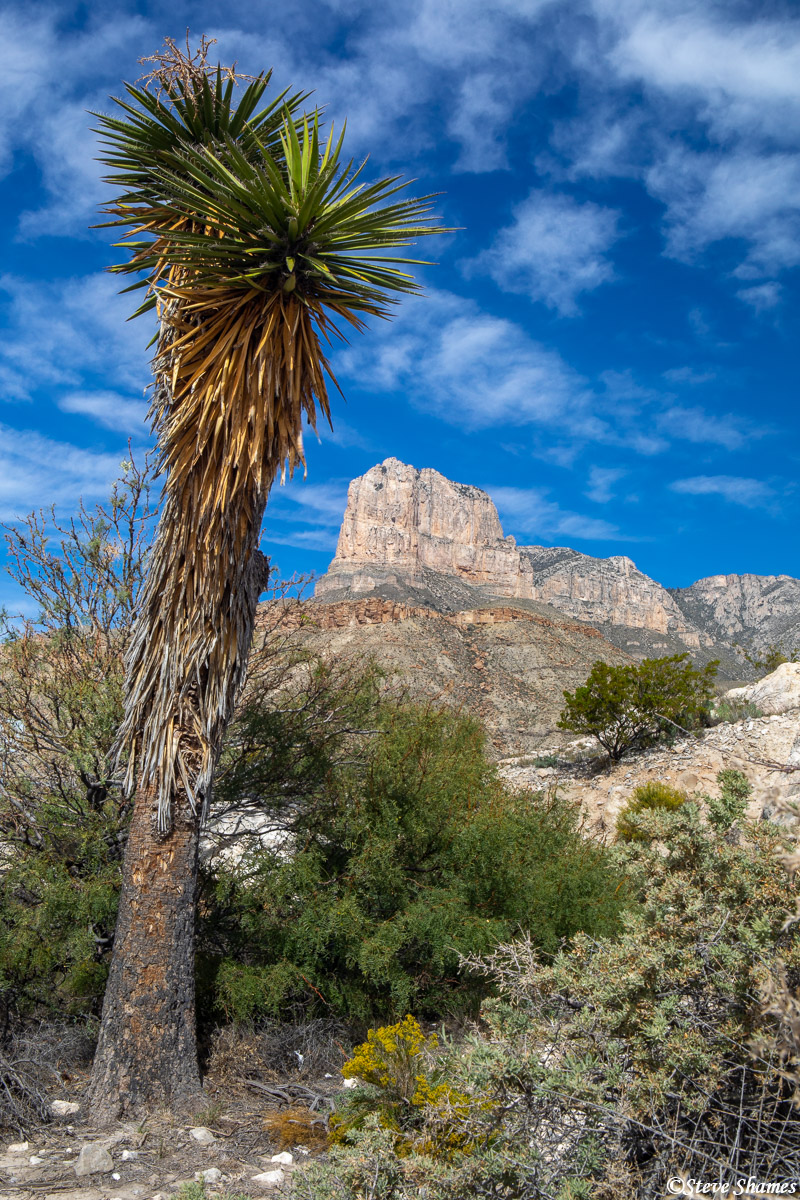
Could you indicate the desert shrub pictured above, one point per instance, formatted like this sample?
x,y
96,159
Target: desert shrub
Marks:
x,y
402,1085
729,806
546,760
63,821
731,711
404,861
628,706
648,797
625,1060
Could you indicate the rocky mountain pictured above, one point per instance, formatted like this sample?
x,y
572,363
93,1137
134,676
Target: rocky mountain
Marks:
x,y
756,611
402,527
425,581
415,537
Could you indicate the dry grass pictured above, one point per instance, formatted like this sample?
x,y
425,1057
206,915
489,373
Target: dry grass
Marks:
x,y
297,1126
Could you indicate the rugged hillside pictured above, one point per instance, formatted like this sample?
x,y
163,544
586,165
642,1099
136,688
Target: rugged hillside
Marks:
x,y
416,538
506,663
754,610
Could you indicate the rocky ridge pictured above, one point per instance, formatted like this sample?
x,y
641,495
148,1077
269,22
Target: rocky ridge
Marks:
x,y
414,537
755,610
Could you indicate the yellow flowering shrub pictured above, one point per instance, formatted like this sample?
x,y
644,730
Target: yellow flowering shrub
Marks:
x,y
396,1067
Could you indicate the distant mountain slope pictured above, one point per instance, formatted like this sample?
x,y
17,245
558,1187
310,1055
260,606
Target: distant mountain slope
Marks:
x,y
753,610
507,664
414,537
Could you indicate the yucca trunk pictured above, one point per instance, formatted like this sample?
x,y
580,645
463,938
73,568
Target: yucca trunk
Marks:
x,y
147,1053
185,665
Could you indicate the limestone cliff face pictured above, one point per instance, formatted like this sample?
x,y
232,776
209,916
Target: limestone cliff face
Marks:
x,y
755,610
403,521
414,538
607,591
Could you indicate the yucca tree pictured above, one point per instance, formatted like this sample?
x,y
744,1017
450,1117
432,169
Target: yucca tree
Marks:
x,y
255,242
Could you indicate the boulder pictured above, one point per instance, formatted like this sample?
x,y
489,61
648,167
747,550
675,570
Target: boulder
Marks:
x,y
269,1178
64,1108
93,1159
202,1135
778,692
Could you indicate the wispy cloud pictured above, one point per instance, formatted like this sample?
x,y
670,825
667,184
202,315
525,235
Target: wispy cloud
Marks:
x,y
750,493
36,472
763,297
530,511
601,483
109,409
555,250
696,425
471,368
55,333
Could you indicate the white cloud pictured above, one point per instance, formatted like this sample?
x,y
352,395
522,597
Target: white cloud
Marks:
x,y
50,79
696,425
109,409
601,481
751,493
530,511
321,502
689,375
470,368
762,297
740,194
57,332
36,472
743,76
554,251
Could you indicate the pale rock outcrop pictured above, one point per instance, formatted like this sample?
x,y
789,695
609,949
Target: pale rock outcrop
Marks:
x,y
755,610
607,591
778,692
406,530
404,521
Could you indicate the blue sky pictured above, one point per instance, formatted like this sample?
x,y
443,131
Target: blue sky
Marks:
x,y
608,344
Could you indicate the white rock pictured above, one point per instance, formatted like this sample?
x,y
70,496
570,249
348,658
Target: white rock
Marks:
x,y
130,1155
19,1148
116,1175
351,1083
284,1157
93,1159
34,1160
202,1135
776,693
269,1178
64,1108
210,1175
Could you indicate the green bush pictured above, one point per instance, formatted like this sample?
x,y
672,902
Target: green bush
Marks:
x,y
626,1060
648,797
627,707
729,806
403,861
731,711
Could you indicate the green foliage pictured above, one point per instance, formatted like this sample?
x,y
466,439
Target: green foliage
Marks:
x,y
405,859
399,1083
774,657
251,201
647,798
731,711
729,806
63,822
628,706
627,1059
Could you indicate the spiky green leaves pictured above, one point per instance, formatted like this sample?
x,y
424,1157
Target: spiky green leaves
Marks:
x,y
255,202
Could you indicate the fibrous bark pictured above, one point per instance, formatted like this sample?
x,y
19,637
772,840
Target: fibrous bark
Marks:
x,y
147,1051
